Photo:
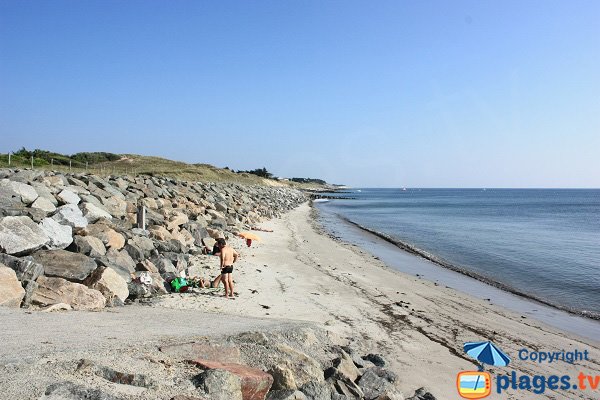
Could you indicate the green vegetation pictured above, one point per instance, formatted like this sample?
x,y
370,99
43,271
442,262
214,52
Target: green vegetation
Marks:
x,y
262,172
309,180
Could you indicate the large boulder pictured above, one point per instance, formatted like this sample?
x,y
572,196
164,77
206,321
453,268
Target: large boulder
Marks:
x,y
345,366
61,236
108,282
11,291
255,384
44,205
139,247
93,213
25,268
115,206
71,215
286,395
25,192
375,382
111,238
177,220
20,236
89,245
120,261
65,264
68,197
218,384
57,290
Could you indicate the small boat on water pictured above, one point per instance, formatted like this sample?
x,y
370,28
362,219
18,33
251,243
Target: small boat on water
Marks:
x,y
320,200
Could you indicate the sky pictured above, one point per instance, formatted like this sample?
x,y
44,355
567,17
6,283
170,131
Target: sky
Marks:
x,y
365,93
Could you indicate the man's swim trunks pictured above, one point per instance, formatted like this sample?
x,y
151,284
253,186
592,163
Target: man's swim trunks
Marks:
x,y
228,269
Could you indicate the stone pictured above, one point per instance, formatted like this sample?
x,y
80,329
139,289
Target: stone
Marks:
x,y
160,233
146,265
376,359
215,233
177,220
286,395
11,291
115,206
68,197
209,242
57,290
25,268
21,236
44,192
422,394
283,378
120,261
65,264
219,384
93,213
57,307
222,352
44,204
304,368
61,236
138,290
182,397
26,192
317,390
72,391
88,245
346,367
70,215
108,282
139,248
114,376
108,236
255,384
375,382
349,389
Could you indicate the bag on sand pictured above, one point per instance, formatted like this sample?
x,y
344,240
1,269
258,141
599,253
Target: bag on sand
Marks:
x,y
179,285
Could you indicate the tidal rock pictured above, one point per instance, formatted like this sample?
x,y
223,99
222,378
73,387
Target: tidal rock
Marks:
x,y
375,382
68,197
218,384
65,264
89,245
71,215
11,291
93,213
109,283
255,383
317,390
57,290
71,391
20,236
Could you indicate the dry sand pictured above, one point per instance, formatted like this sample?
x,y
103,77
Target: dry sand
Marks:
x,y
420,327
298,274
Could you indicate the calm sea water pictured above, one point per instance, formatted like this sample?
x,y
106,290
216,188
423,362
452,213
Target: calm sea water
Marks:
x,y
542,243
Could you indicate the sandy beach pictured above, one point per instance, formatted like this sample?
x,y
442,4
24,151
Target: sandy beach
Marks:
x,y
299,273
296,276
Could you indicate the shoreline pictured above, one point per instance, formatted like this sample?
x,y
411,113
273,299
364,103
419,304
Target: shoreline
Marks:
x,y
411,249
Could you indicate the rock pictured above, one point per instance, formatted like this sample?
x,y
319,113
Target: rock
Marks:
x,y
109,283
376,359
68,197
148,266
317,390
348,388
304,368
61,236
71,215
111,375
88,245
160,233
71,391
11,291
57,290
283,378
181,397
177,220
44,204
209,242
57,307
110,237
138,290
64,264
139,248
286,395
255,384
221,352
375,382
115,206
422,394
26,193
120,261
93,213
215,233
346,367
20,236
25,268
219,384
44,192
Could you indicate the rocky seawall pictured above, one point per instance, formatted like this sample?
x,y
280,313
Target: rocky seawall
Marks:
x,y
72,241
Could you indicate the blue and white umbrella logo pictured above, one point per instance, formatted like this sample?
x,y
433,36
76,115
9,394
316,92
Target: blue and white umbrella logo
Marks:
x,y
486,353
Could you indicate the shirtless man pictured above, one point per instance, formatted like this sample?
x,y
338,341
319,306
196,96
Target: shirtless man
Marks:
x,y
228,256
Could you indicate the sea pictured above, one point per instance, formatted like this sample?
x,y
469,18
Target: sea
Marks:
x,y
541,246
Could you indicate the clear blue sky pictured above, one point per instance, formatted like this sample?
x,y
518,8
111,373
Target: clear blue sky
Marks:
x,y
368,93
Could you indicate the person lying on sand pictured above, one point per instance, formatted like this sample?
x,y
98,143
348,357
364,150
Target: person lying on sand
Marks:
x,y
228,257
257,228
